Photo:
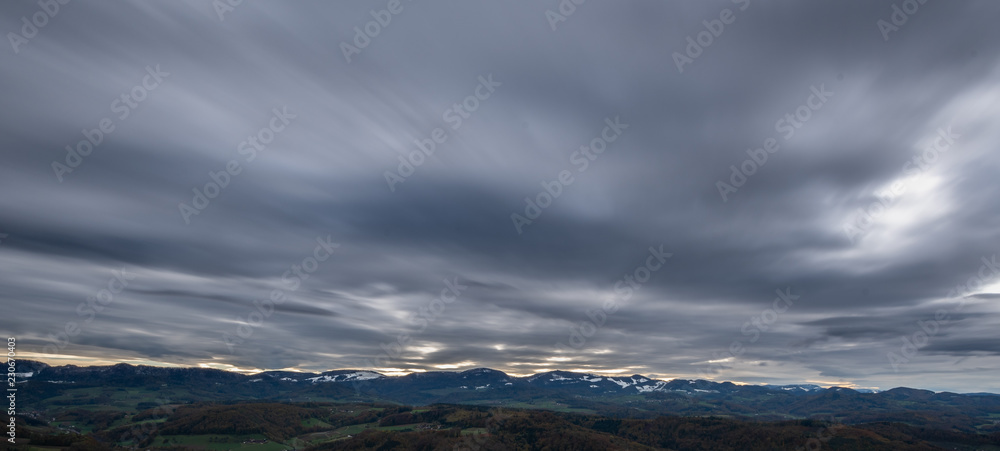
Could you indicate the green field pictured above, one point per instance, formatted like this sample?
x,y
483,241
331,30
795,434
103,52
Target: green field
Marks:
x,y
548,405
197,426
205,441
312,422
326,436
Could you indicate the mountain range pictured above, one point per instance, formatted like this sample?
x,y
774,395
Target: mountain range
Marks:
x,y
634,396
472,380
102,407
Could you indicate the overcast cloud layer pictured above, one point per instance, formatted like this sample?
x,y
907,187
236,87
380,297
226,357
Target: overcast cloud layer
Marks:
x,y
870,98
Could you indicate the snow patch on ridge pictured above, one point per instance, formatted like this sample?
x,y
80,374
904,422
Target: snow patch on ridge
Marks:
x,y
623,384
658,386
355,376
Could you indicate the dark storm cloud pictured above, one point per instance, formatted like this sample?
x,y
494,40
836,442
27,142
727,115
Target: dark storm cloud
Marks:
x,y
323,177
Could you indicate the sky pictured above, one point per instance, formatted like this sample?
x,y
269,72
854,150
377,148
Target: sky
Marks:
x,y
757,191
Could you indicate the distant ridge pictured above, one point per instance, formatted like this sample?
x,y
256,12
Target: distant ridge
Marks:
x,y
47,387
476,378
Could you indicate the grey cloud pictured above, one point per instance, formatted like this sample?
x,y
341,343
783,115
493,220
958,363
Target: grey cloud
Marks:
x,y
324,175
